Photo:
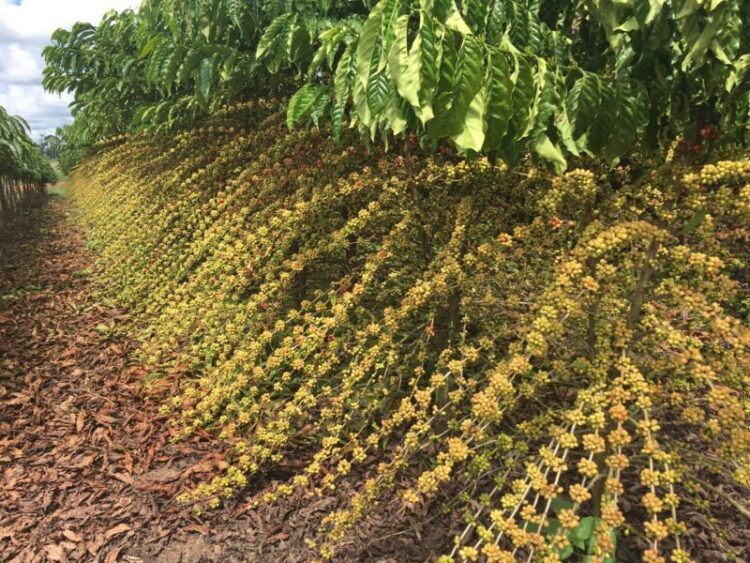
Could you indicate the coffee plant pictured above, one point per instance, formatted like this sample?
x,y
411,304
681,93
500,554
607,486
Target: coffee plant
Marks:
x,y
24,170
514,344
521,312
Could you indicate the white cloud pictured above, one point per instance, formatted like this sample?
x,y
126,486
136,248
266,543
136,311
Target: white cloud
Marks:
x,y
19,64
35,20
25,28
44,112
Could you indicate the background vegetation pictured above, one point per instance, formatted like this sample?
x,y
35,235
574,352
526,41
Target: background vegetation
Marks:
x,y
24,170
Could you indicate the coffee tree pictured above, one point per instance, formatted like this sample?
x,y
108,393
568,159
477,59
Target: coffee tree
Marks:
x,y
24,170
476,263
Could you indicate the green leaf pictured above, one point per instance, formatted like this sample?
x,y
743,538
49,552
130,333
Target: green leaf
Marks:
x,y
632,108
475,14
695,221
577,542
427,53
586,527
467,82
173,65
149,46
495,22
499,84
551,153
337,119
361,113
698,48
605,121
236,12
303,102
543,107
560,503
204,78
270,36
191,61
395,115
368,40
473,134
739,74
319,106
582,107
156,60
404,72
320,55
646,11
455,21
377,93
343,75
298,42
525,95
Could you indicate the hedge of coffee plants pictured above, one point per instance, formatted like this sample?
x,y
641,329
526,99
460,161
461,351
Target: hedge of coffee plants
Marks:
x,y
532,350
24,170
485,265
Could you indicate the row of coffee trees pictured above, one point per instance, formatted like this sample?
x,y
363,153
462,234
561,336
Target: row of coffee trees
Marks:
x,y
24,170
475,268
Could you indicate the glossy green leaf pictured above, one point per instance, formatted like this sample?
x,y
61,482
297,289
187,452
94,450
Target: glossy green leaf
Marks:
x,y
500,86
303,102
403,68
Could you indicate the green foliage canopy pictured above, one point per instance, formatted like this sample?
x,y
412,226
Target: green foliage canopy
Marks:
x,y
565,78
172,61
22,164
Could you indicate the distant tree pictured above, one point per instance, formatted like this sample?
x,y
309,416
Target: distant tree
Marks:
x,y
50,146
23,169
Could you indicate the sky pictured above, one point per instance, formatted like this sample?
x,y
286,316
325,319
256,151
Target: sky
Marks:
x,y
25,28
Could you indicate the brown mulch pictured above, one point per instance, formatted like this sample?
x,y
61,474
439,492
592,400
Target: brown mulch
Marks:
x,y
88,470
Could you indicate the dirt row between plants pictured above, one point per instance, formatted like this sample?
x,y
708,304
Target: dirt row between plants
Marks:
x,y
88,470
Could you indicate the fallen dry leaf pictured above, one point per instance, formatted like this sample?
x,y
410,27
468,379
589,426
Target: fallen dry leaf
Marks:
x,y
80,421
124,477
200,528
72,536
117,530
112,555
96,544
55,552
162,475
103,418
